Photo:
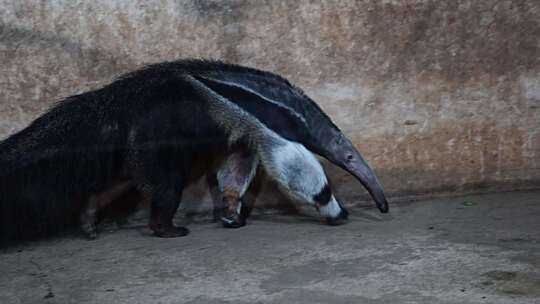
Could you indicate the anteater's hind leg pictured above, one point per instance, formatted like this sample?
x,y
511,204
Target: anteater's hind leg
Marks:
x,y
88,218
161,175
165,199
234,177
96,202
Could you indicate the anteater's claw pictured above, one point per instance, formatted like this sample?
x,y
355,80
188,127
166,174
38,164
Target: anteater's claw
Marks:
x,y
233,221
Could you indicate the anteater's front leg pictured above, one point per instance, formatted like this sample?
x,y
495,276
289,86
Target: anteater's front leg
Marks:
x,y
234,177
218,206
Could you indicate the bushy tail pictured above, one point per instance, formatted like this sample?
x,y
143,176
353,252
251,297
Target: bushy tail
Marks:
x,y
31,205
44,196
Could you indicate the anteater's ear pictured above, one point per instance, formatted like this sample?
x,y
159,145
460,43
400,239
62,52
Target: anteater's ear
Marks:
x,y
272,113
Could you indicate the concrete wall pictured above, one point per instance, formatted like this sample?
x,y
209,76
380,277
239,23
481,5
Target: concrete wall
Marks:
x,y
440,96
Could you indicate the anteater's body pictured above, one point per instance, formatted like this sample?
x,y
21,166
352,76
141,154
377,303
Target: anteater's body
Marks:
x,y
147,126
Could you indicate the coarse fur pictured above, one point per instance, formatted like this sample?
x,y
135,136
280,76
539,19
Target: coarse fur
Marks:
x,y
145,126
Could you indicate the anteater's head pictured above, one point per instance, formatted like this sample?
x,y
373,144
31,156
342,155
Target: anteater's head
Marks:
x,y
298,169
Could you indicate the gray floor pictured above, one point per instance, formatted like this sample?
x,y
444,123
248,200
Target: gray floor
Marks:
x,y
474,249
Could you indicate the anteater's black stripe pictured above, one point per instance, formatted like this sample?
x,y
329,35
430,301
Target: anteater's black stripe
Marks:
x,y
323,197
280,119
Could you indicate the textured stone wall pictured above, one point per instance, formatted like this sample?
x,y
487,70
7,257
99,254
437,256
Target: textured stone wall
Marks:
x,y
440,96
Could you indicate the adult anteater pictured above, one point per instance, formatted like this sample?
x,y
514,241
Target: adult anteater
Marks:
x,y
147,126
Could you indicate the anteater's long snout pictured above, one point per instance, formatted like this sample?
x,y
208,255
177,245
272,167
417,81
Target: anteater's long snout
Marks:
x,y
361,170
346,156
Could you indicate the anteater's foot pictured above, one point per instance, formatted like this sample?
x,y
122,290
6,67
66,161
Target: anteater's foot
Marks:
x,y
91,235
169,231
88,226
233,221
233,217
90,231
218,213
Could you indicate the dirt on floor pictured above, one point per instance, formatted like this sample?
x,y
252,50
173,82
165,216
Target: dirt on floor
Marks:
x,y
474,249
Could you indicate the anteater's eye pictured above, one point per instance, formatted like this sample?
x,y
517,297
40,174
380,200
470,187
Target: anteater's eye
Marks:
x,y
350,157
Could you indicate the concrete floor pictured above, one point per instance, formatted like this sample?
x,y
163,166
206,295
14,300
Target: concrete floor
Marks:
x,y
474,249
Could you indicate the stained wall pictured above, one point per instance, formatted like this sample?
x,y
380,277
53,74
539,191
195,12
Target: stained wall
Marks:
x,y
440,96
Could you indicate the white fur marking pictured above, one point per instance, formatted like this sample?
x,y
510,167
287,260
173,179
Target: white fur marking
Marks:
x,y
331,210
307,179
